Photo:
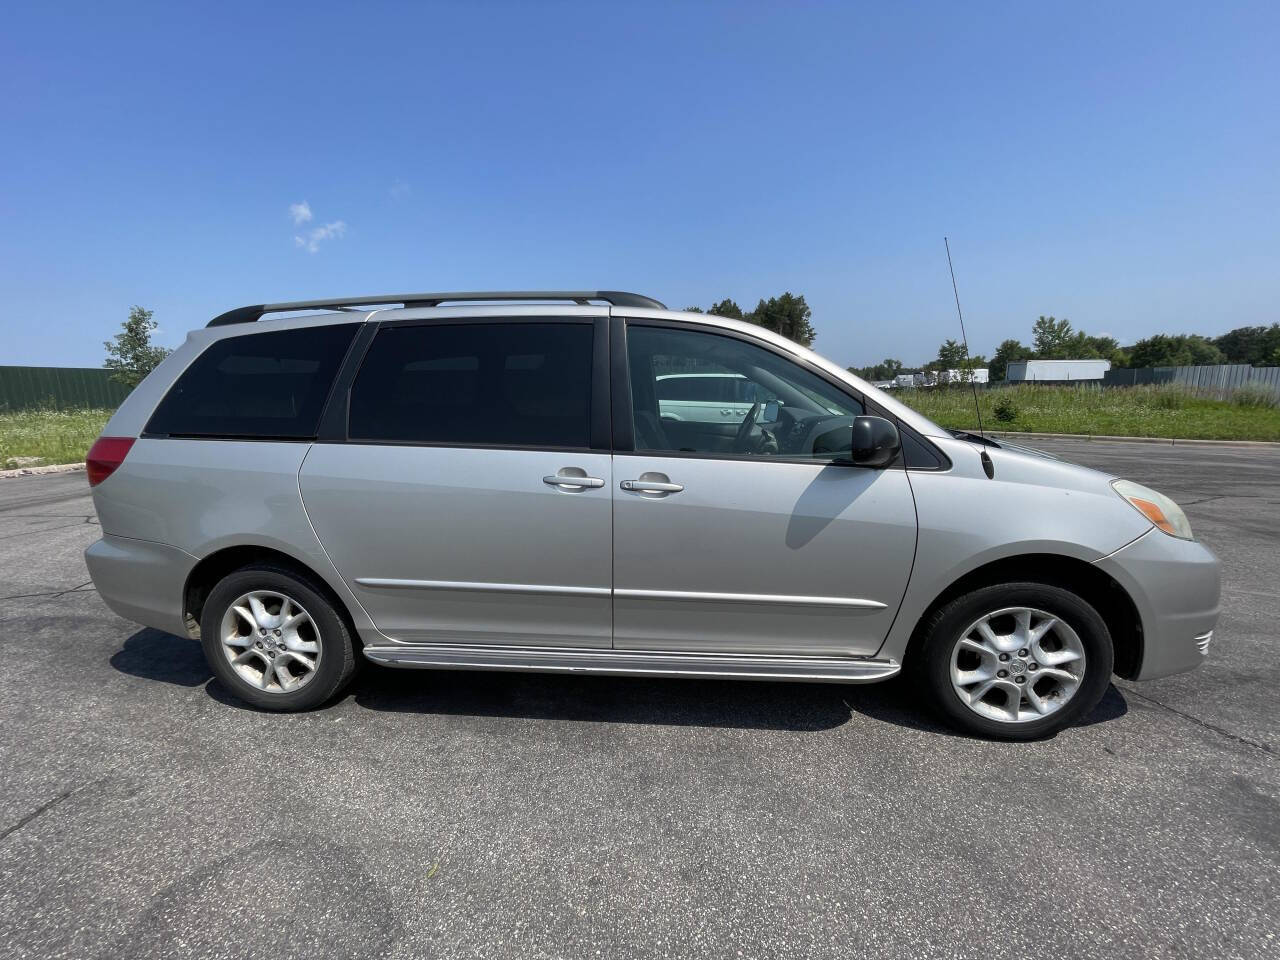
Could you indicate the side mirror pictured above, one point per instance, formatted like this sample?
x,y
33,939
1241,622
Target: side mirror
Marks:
x,y
875,442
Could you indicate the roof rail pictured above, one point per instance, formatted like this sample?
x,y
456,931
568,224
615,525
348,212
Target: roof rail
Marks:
x,y
254,313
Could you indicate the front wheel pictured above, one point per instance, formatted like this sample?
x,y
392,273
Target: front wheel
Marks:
x,y
275,639
1017,661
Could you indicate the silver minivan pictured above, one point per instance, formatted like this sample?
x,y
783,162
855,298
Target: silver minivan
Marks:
x,y
491,481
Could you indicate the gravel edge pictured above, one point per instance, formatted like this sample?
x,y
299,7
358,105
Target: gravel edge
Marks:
x,y
37,471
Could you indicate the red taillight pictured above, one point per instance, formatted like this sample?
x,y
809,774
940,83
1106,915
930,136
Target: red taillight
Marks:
x,y
105,455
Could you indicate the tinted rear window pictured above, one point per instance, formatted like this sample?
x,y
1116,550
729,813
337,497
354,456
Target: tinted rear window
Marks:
x,y
490,384
260,385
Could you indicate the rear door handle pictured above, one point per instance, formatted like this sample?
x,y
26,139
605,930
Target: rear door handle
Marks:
x,y
575,482
651,486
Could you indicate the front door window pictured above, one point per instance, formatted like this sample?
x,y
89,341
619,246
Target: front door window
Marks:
x,y
695,392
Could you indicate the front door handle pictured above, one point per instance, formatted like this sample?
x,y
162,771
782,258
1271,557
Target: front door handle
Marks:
x,y
651,486
577,483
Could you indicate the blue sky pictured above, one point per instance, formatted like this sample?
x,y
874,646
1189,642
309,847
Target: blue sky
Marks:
x,y
1118,164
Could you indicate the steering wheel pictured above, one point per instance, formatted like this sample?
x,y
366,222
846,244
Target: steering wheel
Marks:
x,y
741,440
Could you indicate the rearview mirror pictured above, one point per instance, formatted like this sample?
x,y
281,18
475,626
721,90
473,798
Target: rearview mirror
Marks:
x,y
875,442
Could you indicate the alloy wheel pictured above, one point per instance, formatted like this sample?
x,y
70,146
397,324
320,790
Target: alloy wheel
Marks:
x,y
271,641
1017,665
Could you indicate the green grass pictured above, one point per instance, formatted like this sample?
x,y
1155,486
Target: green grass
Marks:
x,y
1165,410
50,436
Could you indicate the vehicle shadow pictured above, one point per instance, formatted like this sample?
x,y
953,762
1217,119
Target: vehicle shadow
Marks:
x,y
762,705
894,701
603,699
748,705
827,496
156,655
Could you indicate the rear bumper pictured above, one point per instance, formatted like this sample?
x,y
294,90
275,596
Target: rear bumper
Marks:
x,y
141,580
1176,586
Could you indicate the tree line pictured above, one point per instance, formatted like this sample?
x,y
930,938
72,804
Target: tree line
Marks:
x,y
1054,339
787,315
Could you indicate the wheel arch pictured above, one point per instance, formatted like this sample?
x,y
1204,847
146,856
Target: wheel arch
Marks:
x,y
206,574
1096,587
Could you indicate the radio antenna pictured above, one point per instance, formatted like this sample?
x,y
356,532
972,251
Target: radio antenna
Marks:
x,y
977,407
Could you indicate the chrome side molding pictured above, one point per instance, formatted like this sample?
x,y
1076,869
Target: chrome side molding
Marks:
x,y
771,598
632,662
550,589
624,594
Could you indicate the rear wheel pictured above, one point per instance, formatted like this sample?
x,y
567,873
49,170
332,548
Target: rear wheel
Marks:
x,y
275,639
1017,661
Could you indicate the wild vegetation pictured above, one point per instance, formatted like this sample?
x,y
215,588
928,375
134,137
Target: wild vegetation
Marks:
x,y
1164,410
31,438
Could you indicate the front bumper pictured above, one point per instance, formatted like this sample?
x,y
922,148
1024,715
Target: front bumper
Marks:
x,y
1176,586
141,580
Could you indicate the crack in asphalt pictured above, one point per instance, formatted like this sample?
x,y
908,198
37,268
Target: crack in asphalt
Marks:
x,y
80,588
28,502
43,808
62,526
52,516
1205,723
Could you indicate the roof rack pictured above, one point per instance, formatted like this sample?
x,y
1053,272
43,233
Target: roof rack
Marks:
x,y
254,313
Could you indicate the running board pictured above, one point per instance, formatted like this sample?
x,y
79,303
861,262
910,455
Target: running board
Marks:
x,y
648,663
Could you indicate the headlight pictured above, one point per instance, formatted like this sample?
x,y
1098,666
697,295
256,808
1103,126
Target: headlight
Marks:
x,y
1156,507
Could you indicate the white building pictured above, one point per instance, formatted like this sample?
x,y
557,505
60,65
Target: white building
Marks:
x,y
980,375
1056,371
932,378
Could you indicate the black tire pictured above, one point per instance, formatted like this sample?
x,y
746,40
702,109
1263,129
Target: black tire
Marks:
x,y
930,662
335,665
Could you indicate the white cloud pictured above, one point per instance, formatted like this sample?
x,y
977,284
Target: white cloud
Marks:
x,y
301,212
313,238
400,190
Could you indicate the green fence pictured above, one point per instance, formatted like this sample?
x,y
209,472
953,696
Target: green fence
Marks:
x,y
59,388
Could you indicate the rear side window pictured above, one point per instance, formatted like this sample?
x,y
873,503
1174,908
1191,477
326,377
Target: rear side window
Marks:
x,y
488,384
256,386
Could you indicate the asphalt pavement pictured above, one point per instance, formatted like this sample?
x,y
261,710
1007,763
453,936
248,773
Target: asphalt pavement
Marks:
x,y
145,813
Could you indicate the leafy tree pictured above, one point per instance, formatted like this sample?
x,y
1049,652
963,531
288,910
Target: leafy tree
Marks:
x,y
886,369
727,308
1081,346
1008,352
1107,348
693,310
787,315
1101,346
1052,338
950,356
1176,350
1256,345
131,356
